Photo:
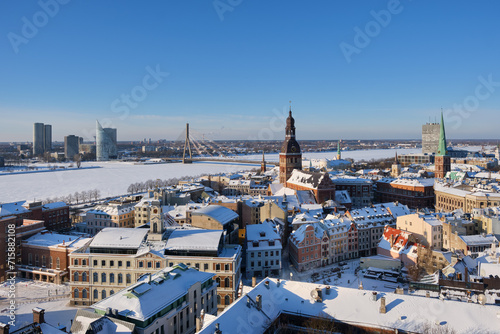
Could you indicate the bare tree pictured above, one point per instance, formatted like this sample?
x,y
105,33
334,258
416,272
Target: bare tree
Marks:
x,y
77,197
97,194
78,159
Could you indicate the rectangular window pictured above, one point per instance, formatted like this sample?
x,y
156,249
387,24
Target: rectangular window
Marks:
x,y
111,263
119,263
103,263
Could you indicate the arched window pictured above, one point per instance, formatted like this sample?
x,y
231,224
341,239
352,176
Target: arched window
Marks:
x,y
95,278
227,300
96,294
103,278
111,278
58,263
120,278
129,279
75,276
155,228
30,259
84,262
50,262
36,260
103,294
75,262
112,292
84,277
44,263
76,293
84,293
226,282
218,299
217,280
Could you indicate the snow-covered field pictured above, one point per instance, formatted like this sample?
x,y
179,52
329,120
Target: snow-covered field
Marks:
x,y
356,155
112,179
115,177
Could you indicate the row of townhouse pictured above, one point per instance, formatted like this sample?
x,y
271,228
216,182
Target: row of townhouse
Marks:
x,y
319,242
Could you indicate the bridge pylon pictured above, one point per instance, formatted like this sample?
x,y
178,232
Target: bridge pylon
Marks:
x,y
187,147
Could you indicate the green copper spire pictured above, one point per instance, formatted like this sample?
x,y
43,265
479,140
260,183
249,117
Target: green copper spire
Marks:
x,y
338,149
442,139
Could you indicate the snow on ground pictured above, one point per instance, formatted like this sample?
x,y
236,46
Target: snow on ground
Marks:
x,y
112,179
52,298
356,155
348,277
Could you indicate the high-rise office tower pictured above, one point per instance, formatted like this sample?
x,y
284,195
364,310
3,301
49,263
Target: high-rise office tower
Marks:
x,y
42,138
38,138
71,146
430,137
47,138
106,143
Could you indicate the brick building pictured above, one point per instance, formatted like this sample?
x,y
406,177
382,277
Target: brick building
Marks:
x,y
45,256
415,193
318,183
307,246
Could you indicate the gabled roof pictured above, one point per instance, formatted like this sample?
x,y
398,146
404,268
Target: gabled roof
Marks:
x,y
308,179
219,213
12,209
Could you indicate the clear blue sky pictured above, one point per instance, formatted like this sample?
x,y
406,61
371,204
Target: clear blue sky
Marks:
x,y
231,78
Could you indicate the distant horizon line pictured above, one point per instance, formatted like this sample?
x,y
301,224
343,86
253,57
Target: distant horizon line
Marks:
x,y
154,141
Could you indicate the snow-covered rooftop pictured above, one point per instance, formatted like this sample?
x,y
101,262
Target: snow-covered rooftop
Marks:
x,y
116,237
13,208
194,239
256,232
476,240
50,239
219,213
152,294
404,312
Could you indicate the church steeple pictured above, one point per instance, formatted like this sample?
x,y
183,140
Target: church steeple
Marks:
x,y
442,161
290,125
442,150
338,150
290,155
263,164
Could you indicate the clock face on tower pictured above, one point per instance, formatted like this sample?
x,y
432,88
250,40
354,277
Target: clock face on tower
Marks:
x,y
293,149
155,211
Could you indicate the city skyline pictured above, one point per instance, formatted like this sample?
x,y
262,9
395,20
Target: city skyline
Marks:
x,y
371,70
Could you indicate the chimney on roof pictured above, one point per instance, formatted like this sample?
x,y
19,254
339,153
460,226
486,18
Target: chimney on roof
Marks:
x,y
258,300
382,305
254,281
38,315
4,328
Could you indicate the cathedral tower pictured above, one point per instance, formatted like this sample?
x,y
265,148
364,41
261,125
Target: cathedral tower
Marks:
x,y
290,156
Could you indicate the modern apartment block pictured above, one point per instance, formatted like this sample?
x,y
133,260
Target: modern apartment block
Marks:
x,y
42,138
71,146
